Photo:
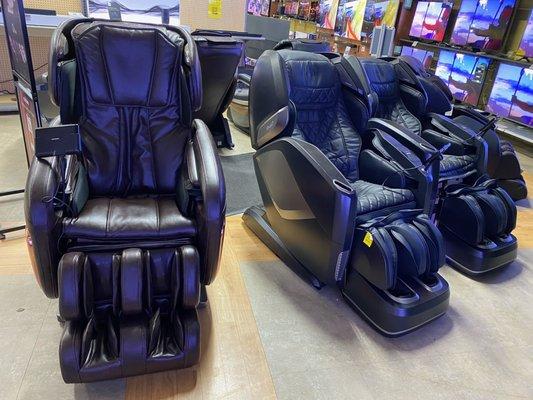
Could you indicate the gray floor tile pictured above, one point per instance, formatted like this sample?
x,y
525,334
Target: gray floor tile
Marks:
x,y
481,348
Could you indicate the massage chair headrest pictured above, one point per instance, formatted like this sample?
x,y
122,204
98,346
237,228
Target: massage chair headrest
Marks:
x,y
272,113
312,46
62,48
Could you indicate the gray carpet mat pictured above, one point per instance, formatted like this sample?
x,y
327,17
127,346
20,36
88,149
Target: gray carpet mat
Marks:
x,y
241,184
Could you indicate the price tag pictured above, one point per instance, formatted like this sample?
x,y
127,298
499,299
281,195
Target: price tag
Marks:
x,y
415,43
368,239
214,9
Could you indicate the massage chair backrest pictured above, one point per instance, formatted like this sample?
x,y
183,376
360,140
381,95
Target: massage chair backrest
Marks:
x,y
299,94
385,91
219,58
131,88
312,46
438,94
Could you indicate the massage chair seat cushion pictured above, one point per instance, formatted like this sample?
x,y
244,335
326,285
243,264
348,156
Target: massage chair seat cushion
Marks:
x,y
321,118
387,104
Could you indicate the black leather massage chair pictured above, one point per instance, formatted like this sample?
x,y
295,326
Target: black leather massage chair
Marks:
x,y
220,55
128,232
344,202
502,162
475,216
238,111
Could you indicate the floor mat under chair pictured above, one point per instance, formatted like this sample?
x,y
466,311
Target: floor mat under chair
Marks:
x,y
241,184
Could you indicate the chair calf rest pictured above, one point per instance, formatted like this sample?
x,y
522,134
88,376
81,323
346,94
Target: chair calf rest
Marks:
x,y
128,313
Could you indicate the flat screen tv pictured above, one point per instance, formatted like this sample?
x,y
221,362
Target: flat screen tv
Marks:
x,y
463,73
148,11
526,44
424,56
481,24
350,19
430,20
18,41
254,7
512,94
378,13
327,13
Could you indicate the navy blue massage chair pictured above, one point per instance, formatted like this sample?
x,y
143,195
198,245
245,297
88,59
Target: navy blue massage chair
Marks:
x,y
474,214
345,203
502,161
128,232
238,111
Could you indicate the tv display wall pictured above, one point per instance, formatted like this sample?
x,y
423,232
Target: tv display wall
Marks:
x,y
430,20
526,44
463,73
482,24
512,94
424,56
350,19
254,7
327,13
379,13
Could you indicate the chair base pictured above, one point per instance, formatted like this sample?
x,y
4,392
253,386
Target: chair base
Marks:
x,y
392,316
255,218
477,260
238,114
389,315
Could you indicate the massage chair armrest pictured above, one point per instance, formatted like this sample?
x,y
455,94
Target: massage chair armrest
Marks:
x,y
202,195
467,136
43,221
412,157
416,144
459,109
244,78
450,128
439,140
305,189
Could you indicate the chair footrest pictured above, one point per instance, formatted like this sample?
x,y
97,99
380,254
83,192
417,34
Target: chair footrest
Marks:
x,y
478,214
403,244
128,313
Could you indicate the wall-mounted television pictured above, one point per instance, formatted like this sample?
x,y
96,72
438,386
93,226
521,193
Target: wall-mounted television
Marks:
x,y
526,44
463,73
148,11
512,94
424,56
254,7
379,13
327,13
350,18
482,24
430,20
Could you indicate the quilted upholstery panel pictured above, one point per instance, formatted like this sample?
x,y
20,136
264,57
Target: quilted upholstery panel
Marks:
x,y
382,79
456,165
372,197
321,116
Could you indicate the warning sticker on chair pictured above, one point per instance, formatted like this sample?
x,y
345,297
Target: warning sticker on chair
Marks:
x,y
214,9
368,239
